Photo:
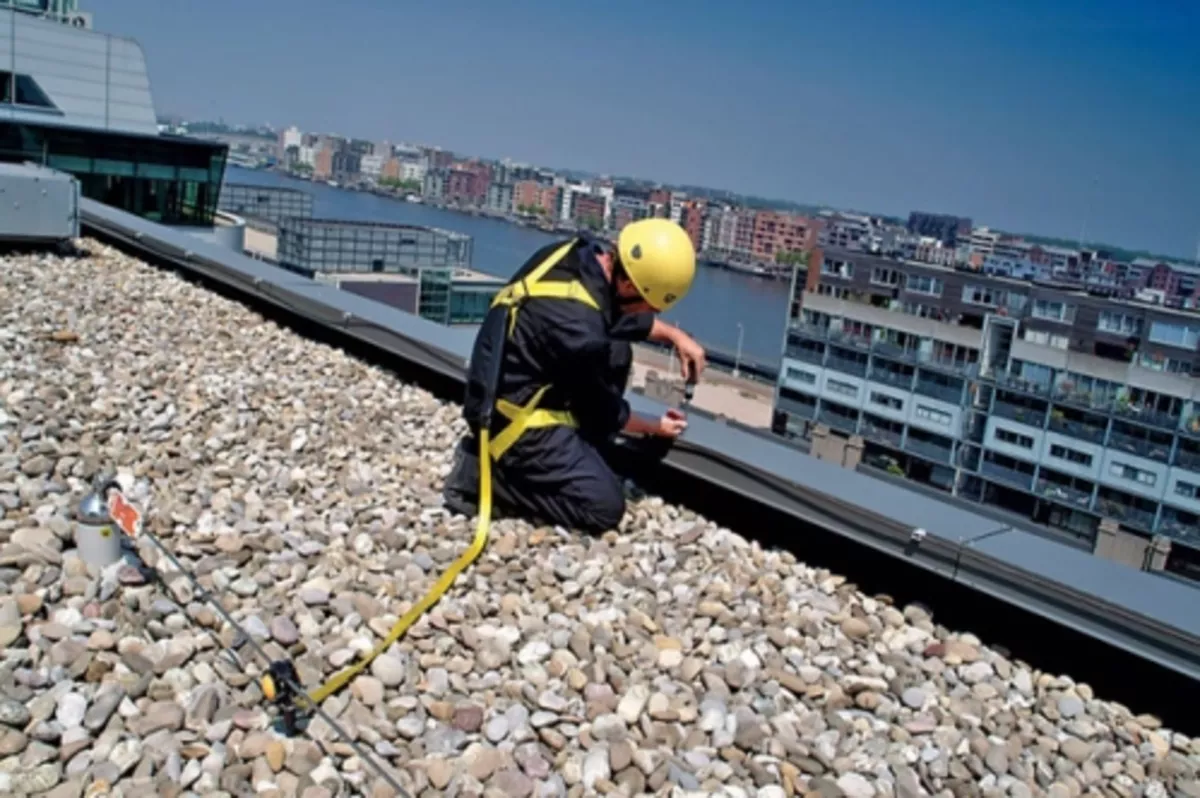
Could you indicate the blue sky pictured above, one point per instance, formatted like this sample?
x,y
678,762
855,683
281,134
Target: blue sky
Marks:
x,y
1057,117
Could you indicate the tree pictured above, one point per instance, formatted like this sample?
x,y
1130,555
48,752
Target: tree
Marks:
x,y
411,186
793,258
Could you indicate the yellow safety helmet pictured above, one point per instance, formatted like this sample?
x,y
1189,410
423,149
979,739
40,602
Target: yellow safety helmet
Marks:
x,y
660,260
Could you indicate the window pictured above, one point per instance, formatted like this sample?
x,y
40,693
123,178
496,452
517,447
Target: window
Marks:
x,y
979,295
1186,489
884,400
988,296
1043,338
1156,362
1071,455
23,90
835,291
837,268
843,388
164,179
920,284
1178,335
806,377
1118,323
882,276
1014,438
932,414
1147,478
1051,310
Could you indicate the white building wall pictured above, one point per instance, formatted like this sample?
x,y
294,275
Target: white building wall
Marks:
x,y
95,80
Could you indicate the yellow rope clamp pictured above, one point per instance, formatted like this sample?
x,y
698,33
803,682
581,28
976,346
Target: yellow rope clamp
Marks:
x,y
521,418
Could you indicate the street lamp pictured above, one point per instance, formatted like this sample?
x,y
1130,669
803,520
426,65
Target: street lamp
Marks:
x,y
737,358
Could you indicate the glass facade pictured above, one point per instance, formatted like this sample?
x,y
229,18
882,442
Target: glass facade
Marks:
x,y
469,303
271,204
166,179
334,247
309,246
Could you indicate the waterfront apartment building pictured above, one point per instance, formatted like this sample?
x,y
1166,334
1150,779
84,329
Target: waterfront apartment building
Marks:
x,y
1040,398
778,234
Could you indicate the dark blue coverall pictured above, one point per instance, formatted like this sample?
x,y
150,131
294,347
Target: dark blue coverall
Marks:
x,y
557,474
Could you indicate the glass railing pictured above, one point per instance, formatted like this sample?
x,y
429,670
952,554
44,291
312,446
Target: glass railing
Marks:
x,y
805,355
794,408
856,367
1024,415
1139,446
882,434
1019,384
1121,409
1056,491
837,420
889,377
1077,429
1188,460
1173,528
884,348
1154,418
1009,476
926,449
936,390
1124,514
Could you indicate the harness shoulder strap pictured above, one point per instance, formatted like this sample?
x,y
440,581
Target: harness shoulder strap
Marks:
x,y
532,285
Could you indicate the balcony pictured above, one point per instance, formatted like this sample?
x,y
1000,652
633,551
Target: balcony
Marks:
x,y
857,368
793,405
1020,413
1076,429
1187,459
836,420
1151,418
1064,494
1179,526
1126,515
890,377
929,450
882,348
1119,408
888,437
1008,476
1139,446
1019,385
806,354
938,390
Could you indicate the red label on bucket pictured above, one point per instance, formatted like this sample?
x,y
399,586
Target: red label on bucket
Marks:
x,y
124,514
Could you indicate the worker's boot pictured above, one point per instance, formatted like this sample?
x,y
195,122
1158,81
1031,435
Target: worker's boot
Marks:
x,y
461,493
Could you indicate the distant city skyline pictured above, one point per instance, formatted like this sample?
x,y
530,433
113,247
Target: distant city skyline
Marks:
x,y
1049,118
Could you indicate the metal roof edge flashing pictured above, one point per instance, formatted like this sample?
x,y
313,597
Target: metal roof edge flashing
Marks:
x,y
1121,606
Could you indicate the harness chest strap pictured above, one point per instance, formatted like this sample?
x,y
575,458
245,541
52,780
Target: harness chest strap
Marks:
x,y
530,416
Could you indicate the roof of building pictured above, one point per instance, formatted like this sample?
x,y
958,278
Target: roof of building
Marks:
x,y
1133,610
94,80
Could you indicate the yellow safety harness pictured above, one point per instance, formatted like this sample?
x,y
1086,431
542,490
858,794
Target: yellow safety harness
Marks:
x,y
521,418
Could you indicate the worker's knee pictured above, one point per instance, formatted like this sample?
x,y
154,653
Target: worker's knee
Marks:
x,y
603,511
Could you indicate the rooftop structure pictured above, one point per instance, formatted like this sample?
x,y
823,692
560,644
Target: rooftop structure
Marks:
x,y
355,489
265,204
344,251
79,101
1044,399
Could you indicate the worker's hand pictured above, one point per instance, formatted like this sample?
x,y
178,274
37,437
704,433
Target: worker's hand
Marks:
x,y
672,424
691,355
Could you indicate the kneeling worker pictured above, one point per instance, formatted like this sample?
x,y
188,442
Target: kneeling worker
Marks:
x,y
549,369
